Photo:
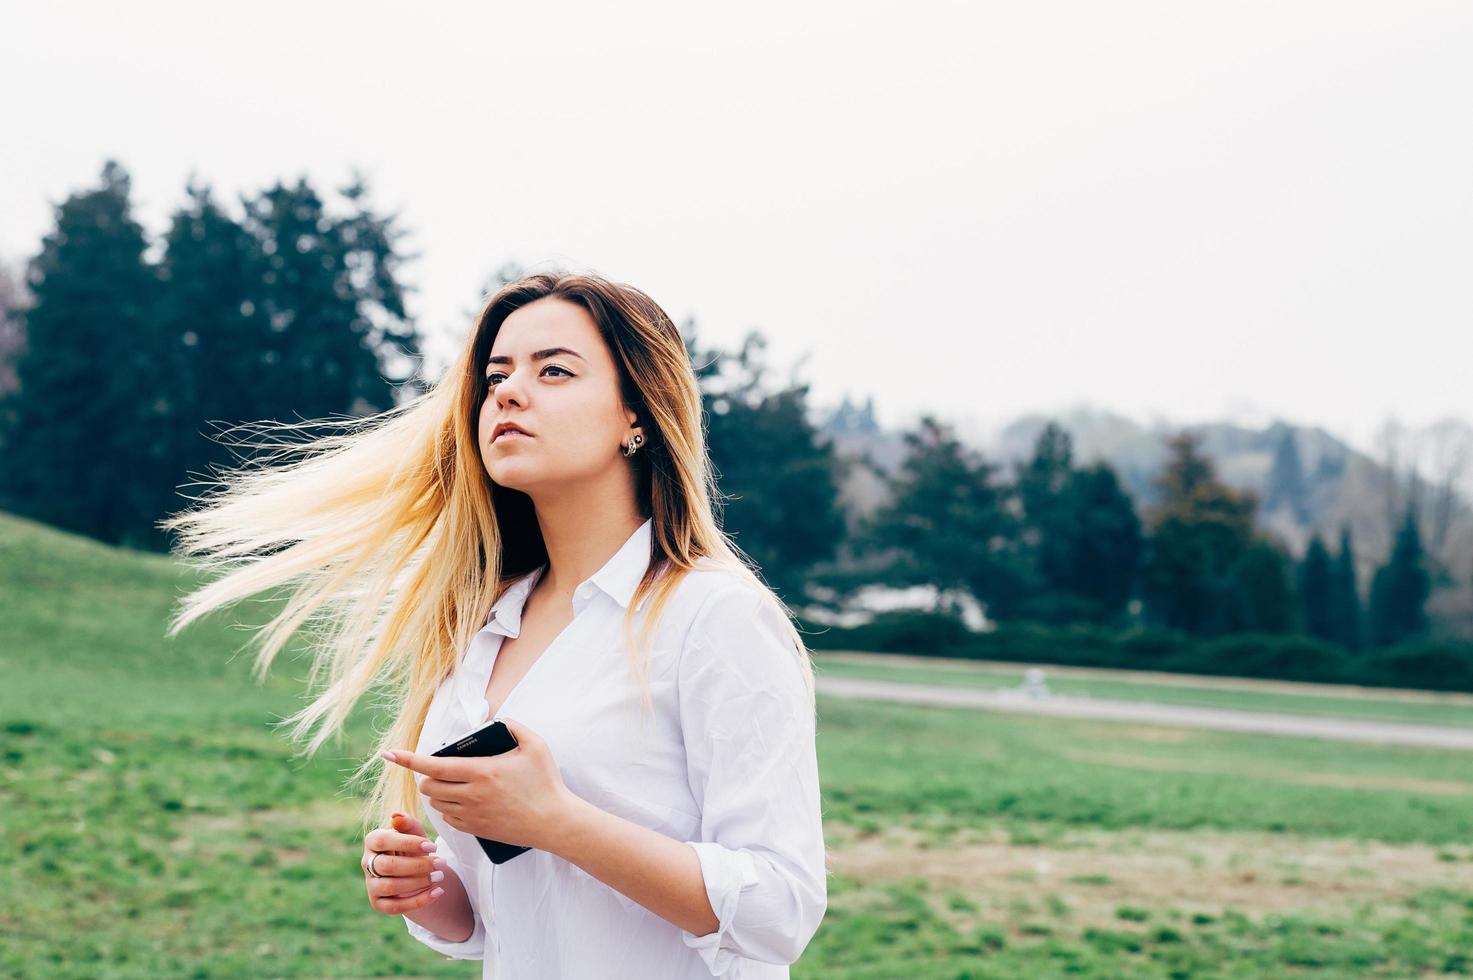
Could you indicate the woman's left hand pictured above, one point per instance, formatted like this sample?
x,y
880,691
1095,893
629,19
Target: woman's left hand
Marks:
x,y
517,797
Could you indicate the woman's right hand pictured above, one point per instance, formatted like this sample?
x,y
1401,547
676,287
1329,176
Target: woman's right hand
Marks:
x,y
407,863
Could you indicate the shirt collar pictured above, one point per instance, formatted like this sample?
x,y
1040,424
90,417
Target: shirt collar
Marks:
x,y
621,574
618,578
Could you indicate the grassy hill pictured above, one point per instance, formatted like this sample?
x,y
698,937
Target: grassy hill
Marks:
x,y
163,828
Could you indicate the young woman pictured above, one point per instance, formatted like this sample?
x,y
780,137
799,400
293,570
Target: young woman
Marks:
x,y
533,541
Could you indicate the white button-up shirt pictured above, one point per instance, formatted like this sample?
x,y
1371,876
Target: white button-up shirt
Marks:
x,y
727,763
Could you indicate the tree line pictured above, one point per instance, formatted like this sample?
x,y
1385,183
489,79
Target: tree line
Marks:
x,y
1054,544
1060,543
128,365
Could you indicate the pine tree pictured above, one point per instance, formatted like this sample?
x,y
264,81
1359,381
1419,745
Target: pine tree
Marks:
x,y
1316,591
291,313
1199,529
1080,537
1345,607
127,365
1042,480
90,415
1400,589
334,311
1105,542
778,478
1040,488
1263,589
218,333
947,522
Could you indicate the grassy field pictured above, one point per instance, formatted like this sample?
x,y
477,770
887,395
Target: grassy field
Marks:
x,y
160,827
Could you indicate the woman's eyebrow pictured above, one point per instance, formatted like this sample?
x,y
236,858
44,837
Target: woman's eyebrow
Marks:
x,y
537,355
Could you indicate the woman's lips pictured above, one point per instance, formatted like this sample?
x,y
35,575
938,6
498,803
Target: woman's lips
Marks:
x,y
510,433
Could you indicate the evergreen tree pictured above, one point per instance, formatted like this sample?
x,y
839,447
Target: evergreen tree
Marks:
x,y
334,311
1317,591
778,478
219,337
90,413
1080,536
947,524
1199,529
1263,588
1400,589
1044,537
1346,615
128,366
1106,543
1042,480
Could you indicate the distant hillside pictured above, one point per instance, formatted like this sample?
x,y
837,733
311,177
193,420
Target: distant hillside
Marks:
x,y
1295,497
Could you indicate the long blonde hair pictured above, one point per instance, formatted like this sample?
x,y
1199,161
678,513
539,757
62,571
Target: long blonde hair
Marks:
x,y
396,543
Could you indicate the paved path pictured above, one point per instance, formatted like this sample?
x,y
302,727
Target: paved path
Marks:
x,y
1147,713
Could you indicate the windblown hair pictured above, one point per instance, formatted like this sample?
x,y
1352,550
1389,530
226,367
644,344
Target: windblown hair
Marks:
x,y
394,542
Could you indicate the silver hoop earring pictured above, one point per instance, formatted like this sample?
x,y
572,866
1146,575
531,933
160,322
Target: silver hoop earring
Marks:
x,y
633,446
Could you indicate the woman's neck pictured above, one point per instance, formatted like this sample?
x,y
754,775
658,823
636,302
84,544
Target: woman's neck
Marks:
x,y
581,537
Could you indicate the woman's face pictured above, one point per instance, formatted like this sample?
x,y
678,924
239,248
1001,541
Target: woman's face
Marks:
x,y
551,373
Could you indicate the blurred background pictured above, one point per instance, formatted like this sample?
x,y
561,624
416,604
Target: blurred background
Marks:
x,y
1095,383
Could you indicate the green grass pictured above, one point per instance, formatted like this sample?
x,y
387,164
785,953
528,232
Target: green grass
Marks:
x,y
160,827
899,932
1455,710
962,768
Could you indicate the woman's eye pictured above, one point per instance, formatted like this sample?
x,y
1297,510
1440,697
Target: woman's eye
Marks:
x,y
491,378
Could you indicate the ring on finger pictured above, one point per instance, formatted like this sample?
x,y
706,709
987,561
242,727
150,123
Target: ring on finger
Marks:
x,y
369,867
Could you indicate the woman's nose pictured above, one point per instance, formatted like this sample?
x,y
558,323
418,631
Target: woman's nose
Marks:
x,y
509,390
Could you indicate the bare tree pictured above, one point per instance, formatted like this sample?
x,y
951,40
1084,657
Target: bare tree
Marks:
x,y
1430,472
14,297
1447,449
1390,442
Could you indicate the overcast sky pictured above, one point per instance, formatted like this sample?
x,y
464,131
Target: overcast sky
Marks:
x,y
1189,210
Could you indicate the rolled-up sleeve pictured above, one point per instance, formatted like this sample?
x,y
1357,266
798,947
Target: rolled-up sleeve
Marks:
x,y
474,946
751,757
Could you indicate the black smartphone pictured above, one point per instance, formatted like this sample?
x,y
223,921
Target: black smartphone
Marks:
x,y
494,739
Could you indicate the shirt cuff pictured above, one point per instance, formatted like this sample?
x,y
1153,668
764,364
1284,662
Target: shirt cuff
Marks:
x,y
473,948
727,874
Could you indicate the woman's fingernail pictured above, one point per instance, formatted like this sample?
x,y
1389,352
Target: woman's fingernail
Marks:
x,y
428,845
389,756
437,876
437,893
440,863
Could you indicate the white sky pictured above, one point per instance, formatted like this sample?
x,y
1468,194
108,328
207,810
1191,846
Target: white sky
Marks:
x,y
1191,210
